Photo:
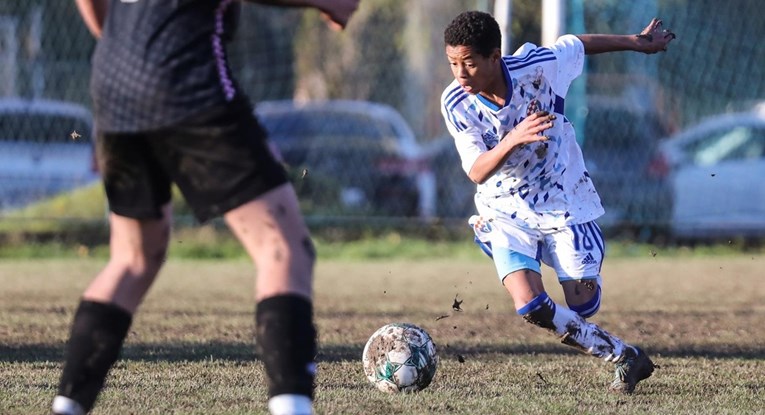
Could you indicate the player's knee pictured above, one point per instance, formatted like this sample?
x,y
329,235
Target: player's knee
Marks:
x,y
540,311
144,263
590,307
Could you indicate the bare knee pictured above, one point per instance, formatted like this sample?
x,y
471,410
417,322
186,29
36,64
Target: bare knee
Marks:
x,y
141,253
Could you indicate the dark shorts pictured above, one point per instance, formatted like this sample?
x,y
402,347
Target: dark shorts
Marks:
x,y
219,161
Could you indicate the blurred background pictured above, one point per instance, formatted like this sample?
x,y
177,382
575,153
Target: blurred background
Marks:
x,y
675,142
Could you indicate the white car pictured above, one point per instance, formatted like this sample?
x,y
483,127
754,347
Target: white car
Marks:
x,y
716,169
45,148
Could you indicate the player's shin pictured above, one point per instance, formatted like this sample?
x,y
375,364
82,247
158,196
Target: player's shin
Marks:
x,y
286,343
572,329
96,338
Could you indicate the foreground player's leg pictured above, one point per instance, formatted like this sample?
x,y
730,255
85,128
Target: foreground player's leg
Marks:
x,y
102,320
536,307
273,232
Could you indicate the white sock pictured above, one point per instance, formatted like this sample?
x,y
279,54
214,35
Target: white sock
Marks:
x,y
65,406
290,404
590,337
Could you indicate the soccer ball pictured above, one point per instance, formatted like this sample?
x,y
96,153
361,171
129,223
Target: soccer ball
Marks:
x,y
400,357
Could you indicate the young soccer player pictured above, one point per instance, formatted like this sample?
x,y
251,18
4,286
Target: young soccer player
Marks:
x,y
168,111
535,200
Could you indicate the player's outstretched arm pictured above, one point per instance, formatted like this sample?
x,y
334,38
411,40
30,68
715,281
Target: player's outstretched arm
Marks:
x,y
93,13
336,12
651,40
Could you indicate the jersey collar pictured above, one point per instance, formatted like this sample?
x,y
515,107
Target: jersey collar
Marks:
x,y
508,93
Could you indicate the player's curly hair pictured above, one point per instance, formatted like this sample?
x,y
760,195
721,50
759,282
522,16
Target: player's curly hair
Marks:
x,y
475,29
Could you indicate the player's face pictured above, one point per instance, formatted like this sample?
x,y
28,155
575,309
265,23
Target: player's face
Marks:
x,y
474,72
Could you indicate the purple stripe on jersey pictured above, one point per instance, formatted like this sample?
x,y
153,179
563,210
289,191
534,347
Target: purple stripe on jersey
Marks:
x,y
529,63
559,105
452,95
458,125
511,60
219,52
533,54
459,99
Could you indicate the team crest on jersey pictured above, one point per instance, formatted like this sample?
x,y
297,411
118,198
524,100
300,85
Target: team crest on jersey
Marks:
x,y
490,139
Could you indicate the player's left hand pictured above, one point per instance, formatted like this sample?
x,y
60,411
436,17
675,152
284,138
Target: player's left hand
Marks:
x,y
654,38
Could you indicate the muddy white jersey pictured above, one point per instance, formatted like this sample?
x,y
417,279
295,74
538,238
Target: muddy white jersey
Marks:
x,y
542,184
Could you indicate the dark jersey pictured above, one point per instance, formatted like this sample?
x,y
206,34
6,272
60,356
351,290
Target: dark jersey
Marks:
x,y
160,62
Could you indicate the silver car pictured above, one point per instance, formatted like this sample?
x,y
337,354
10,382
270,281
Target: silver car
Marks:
x,y
351,158
716,170
45,148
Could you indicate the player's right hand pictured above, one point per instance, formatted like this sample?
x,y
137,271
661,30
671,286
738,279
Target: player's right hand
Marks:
x,y
531,128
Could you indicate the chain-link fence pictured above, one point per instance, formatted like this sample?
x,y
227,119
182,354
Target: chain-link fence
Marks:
x,y
387,71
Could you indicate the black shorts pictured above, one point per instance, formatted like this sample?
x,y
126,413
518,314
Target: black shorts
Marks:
x,y
219,161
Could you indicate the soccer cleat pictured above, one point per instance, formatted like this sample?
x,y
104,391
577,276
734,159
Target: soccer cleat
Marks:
x,y
635,366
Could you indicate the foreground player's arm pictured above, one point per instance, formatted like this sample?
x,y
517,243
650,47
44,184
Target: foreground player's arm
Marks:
x,y
336,12
651,40
527,131
93,13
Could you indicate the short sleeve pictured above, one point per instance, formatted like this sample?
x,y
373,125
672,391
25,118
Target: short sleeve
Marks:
x,y
569,53
470,146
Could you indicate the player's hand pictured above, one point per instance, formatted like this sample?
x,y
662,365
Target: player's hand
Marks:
x,y
531,128
337,12
654,38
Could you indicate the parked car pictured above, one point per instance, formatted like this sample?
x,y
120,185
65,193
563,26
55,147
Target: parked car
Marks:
x,y
620,140
45,148
716,171
351,157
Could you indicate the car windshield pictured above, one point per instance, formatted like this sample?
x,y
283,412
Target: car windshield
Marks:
x,y
293,126
738,143
42,128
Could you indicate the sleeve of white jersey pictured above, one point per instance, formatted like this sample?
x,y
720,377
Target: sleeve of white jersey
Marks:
x,y
468,140
569,53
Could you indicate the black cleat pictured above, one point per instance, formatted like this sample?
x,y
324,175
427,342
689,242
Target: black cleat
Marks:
x,y
635,366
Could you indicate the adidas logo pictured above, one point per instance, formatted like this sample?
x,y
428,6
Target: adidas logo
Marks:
x,y
589,260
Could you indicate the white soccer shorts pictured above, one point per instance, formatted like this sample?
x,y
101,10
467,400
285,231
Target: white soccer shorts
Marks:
x,y
575,252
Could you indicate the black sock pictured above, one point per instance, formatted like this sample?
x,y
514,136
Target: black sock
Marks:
x,y
94,345
286,342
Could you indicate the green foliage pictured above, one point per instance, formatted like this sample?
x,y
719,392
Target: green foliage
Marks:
x,y
366,61
84,203
74,225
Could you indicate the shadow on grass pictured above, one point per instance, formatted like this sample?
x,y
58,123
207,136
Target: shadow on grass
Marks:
x,y
245,351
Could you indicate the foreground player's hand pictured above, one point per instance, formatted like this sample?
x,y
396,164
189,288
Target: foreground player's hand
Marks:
x,y
654,38
531,128
338,12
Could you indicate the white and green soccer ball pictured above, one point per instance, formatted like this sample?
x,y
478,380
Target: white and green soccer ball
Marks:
x,y
400,357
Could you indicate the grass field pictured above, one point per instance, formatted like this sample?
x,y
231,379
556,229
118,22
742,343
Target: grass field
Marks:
x,y
190,351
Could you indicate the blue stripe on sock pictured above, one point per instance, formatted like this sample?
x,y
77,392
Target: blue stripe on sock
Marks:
x,y
534,304
589,308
